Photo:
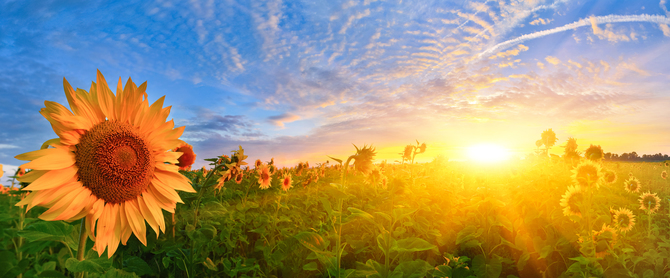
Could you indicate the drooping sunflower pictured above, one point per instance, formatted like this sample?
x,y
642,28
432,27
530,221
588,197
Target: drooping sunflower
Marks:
x,y
258,163
1,171
187,158
20,172
587,175
107,164
632,185
624,220
363,159
264,177
610,176
287,182
572,200
664,175
650,202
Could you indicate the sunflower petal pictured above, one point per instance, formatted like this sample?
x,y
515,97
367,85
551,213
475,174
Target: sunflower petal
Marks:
x,y
148,215
62,205
105,97
166,191
167,167
175,180
136,221
32,176
171,157
53,159
155,210
159,200
53,178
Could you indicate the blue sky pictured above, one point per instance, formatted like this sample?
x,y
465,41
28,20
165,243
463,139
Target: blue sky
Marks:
x,y
299,80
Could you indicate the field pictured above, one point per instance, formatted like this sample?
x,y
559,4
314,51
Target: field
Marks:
x,y
438,219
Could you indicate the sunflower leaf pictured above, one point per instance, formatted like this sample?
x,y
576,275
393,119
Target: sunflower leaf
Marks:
x,y
51,231
89,265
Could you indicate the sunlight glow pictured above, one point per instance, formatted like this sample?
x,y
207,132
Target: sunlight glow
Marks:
x,y
488,153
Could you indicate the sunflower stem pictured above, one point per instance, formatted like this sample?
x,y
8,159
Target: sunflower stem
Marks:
x,y
82,244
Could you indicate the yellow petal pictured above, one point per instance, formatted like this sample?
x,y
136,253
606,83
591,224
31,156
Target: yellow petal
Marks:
x,y
32,176
174,180
167,167
68,206
50,142
105,97
171,157
52,159
53,178
155,210
158,199
136,221
147,215
166,191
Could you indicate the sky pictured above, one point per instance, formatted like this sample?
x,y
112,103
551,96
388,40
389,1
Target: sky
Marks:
x,y
300,80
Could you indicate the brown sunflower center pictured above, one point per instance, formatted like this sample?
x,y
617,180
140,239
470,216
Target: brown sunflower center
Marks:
x,y
114,161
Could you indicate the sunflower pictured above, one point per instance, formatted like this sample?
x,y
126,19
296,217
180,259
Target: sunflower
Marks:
x,y
239,177
594,153
666,164
20,172
572,199
363,159
587,174
108,164
1,171
287,182
632,185
649,202
624,220
604,240
610,176
258,163
264,177
549,137
664,175
187,157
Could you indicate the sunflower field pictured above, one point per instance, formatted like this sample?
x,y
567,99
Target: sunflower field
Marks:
x,y
115,196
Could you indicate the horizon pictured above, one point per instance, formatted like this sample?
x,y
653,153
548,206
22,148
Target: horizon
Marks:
x,y
301,81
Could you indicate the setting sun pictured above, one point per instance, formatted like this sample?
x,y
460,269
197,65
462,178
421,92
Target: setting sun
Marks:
x,y
487,153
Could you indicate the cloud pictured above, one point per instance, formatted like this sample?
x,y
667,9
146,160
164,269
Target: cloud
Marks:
x,y
552,60
594,20
512,52
665,29
279,120
541,21
540,65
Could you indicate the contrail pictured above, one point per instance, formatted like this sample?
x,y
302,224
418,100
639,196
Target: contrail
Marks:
x,y
582,22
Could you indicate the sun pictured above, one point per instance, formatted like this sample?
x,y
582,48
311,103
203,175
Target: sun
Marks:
x,y
487,153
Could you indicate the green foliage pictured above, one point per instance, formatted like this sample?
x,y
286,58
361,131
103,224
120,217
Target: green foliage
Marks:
x,y
441,219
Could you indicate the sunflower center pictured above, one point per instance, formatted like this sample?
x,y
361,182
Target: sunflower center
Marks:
x,y
114,161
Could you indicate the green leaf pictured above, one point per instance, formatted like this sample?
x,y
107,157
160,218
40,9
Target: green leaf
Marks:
x,y
401,213
334,192
312,241
90,265
491,269
357,213
117,273
338,160
413,269
51,274
137,265
310,266
523,259
468,233
442,271
412,244
51,231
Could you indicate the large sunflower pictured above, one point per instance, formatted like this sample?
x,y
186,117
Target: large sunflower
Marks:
x,y
572,200
632,185
587,175
649,202
624,220
107,164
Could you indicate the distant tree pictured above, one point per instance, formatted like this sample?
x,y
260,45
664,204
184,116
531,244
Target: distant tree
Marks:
x,y
608,156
